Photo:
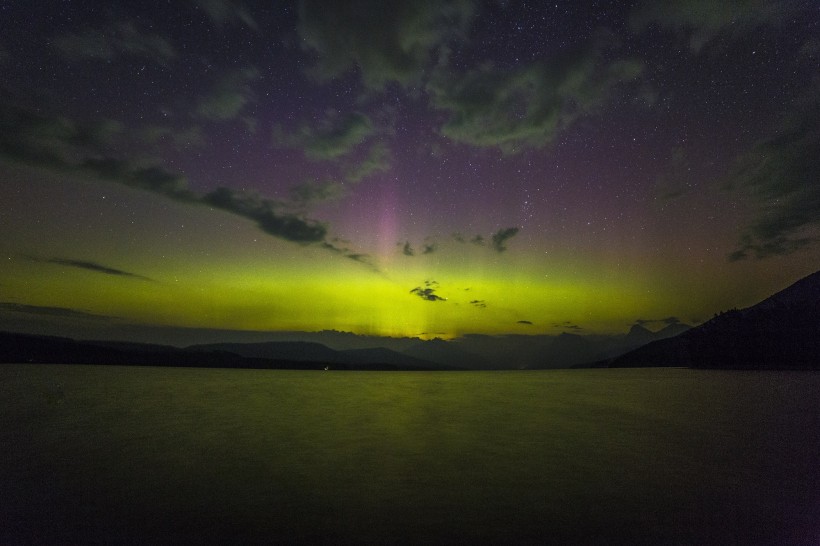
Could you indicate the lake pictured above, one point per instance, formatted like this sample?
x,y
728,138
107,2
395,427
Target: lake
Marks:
x,y
98,454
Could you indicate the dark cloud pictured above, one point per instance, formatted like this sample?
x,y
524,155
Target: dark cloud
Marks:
x,y
783,175
119,39
428,292
385,41
333,136
267,216
361,258
567,325
225,12
501,236
93,266
59,144
497,239
479,303
90,266
426,248
151,178
364,259
51,142
525,322
60,312
777,246
228,96
525,107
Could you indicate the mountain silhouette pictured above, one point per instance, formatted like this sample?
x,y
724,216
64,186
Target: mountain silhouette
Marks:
x,y
672,330
302,351
575,351
380,355
27,348
781,332
307,351
446,353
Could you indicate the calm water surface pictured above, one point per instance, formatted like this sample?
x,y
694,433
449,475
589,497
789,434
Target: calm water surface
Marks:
x,y
94,454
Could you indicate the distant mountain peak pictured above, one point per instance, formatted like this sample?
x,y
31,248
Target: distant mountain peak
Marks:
x,y
672,330
639,330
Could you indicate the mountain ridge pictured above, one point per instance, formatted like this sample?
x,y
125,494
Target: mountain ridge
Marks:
x,y
37,349
780,332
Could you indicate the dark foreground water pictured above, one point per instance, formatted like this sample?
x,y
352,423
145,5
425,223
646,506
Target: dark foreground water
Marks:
x,y
155,455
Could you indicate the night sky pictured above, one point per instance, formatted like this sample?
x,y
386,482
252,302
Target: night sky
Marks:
x,y
421,168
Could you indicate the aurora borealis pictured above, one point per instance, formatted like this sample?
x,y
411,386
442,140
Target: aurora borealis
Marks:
x,y
426,168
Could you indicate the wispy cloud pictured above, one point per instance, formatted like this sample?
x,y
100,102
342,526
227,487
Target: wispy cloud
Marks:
x,y
228,96
60,312
497,241
227,12
152,178
525,107
311,192
387,44
58,144
90,266
703,20
333,136
266,214
782,174
181,138
118,39
339,247
376,161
